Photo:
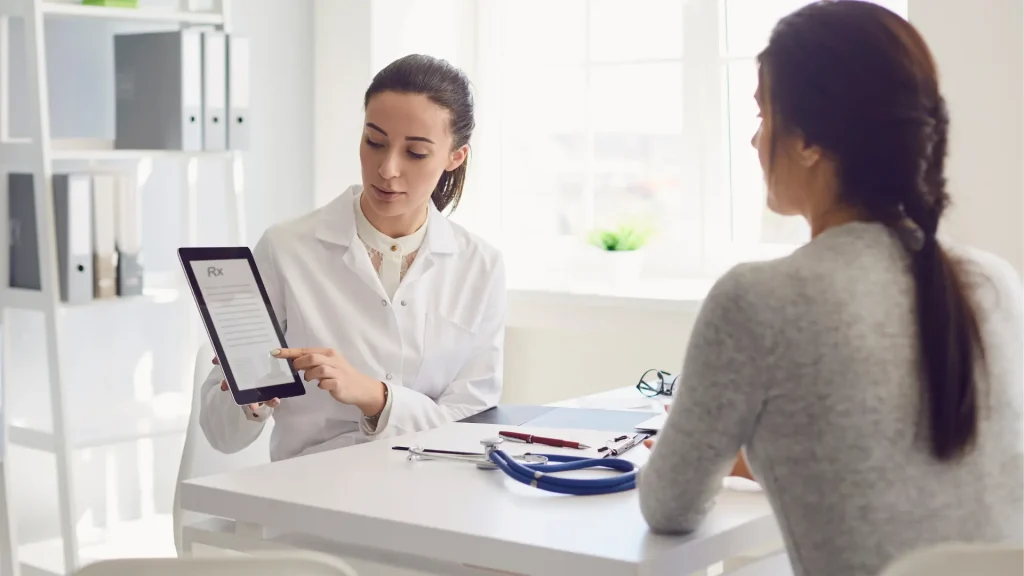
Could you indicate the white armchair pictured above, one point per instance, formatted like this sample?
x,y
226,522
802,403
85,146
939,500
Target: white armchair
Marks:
x,y
199,459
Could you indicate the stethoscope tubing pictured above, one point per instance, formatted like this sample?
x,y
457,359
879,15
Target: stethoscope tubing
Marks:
x,y
538,475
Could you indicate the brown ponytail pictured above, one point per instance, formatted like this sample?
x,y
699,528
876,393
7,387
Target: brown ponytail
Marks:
x,y
946,320
448,191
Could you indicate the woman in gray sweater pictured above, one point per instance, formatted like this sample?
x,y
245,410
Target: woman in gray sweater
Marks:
x,y
873,378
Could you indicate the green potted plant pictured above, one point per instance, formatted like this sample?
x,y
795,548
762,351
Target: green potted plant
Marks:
x,y
620,251
628,237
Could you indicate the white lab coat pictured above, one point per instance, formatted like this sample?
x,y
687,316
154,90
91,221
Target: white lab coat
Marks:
x,y
438,344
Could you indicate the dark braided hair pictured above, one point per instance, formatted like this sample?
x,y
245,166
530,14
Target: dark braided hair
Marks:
x,y
859,82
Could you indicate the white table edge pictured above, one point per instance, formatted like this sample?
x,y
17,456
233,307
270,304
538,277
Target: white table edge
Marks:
x,y
693,553
525,558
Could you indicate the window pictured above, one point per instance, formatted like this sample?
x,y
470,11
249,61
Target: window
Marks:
x,y
610,111
756,231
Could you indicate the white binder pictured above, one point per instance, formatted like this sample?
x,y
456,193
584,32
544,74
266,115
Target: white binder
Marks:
x,y
72,201
215,88
238,93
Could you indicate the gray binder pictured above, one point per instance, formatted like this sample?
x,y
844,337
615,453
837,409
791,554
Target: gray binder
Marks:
x,y
159,90
238,93
104,248
215,90
23,245
128,238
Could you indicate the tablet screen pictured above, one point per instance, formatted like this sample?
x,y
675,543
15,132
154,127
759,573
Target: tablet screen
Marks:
x,y
242,323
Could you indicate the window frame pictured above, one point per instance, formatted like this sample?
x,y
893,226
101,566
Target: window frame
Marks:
x,y
705,104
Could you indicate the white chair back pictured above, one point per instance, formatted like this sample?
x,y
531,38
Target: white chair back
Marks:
x,y
278,564
199,459
956,559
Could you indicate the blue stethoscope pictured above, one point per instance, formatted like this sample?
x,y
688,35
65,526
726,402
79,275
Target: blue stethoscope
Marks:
x,y
537,469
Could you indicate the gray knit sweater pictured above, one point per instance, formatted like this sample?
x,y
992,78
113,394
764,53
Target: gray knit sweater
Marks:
x,y
811,364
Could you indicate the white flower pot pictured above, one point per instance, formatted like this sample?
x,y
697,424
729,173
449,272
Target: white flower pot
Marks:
x,y
611,268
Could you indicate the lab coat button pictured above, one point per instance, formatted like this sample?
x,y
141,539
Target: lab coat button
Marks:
x,y
388,375
383,302
403,302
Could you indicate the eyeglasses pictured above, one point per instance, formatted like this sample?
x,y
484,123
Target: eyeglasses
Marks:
x,y
656,382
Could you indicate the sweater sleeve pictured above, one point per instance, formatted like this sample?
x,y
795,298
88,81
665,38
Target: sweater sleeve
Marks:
x,y
714,409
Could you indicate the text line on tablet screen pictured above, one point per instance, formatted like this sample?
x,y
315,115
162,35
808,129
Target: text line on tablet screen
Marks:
x,y
242,323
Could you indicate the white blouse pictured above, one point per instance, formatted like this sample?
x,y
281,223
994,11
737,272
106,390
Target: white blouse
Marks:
x,y
391,257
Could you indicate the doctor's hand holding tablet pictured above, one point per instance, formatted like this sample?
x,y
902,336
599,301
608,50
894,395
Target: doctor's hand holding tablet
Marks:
x,y
273,402
389,318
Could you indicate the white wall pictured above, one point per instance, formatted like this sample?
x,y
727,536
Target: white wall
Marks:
x,y
137,349
342,71
279,167
979,49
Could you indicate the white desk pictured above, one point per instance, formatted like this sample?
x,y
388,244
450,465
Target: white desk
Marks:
x,y
370,497
627,398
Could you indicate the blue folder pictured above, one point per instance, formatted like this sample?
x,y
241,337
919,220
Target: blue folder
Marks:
x,y
567,418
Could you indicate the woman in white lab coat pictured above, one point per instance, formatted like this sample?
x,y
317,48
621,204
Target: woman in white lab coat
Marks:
x,y
394,315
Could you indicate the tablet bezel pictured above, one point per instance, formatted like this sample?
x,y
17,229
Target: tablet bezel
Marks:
x,y
253,395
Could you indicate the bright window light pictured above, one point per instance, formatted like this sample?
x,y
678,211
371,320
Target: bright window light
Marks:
x,y
611,111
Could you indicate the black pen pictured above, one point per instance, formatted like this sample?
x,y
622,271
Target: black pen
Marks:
x,y
434,451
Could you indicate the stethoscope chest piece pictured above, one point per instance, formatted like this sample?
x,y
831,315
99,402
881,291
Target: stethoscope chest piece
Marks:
x,y
537,470
490,445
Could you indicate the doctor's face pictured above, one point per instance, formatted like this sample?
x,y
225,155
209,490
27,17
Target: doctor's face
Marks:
x,y
406,147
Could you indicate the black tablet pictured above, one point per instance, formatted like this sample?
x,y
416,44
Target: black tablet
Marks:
x,y
240,321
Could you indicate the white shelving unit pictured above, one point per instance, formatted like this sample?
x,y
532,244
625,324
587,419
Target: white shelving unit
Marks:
x,y
121,421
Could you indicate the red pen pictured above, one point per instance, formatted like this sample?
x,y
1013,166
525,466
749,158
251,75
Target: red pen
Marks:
x,y
531,439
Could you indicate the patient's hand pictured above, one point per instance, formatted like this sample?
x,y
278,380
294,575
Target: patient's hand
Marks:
x,y
649,443
740,468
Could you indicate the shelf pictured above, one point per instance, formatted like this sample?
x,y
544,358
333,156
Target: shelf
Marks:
x,y
66,9
151,537
15,155
155,296
99,150
26,299
23,298
128,421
